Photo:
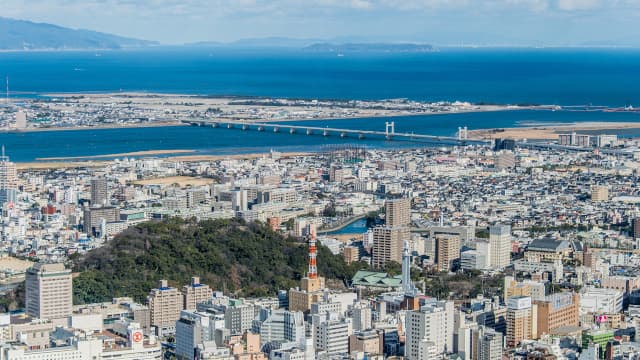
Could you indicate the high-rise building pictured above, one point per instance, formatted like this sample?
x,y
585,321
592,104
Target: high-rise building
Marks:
x,y
599,193
398,212
99,194
500,245
487,344
447,252
635,228
279,325
519,320
331,334
429,331
387,245
8,180
238,317
195,293
165,303
361,316
190,332
49,292
94,218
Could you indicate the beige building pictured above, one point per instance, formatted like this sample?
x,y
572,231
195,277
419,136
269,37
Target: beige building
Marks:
x,y
49,292
398,212
195,293
350,254
512,288
93,218
310,292
599,193
520,320
165,304
447,251
500,246
387,245
557,310
367,341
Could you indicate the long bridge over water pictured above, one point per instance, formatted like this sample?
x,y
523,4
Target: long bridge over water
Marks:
x,y
388,134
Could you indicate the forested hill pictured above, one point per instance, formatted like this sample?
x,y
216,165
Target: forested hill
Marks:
x,y
27,35
246,259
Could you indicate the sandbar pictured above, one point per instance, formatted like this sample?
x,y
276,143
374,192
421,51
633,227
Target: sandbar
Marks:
x,y
106,156
549,132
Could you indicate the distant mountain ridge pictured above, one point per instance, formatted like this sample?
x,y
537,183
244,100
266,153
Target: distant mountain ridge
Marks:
x,y
370,47
27,35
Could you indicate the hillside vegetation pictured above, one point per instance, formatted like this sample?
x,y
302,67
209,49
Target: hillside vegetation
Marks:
x,y
27,35
245,259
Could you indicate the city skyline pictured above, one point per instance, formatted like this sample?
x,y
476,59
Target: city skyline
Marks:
x,y
440,22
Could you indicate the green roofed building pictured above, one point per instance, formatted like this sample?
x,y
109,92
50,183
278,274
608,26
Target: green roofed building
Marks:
x,y
600,337
376,280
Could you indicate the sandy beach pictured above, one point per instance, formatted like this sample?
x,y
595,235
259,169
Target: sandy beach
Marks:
x,y
134,153
549,132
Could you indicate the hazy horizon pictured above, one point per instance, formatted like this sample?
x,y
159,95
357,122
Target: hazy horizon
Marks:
x,y
439,22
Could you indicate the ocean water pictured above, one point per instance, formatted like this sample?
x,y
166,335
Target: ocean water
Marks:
x,y
505,76
608,77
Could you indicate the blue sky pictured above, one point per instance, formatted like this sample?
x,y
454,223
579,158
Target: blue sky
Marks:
x,y
441,22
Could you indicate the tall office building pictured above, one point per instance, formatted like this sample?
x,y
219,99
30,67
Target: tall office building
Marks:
x,y
8,180
238,317
99,194
49,292
500,245
165,303
191,331
519,320
398,212
195,293
361,316
487,344
447,251
429,331
387,245
331,334
94,218
279,325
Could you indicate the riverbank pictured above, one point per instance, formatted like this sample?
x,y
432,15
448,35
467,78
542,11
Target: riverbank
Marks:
x,y
43,165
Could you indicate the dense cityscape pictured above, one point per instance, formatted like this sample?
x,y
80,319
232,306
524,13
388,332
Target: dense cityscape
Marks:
x,y
319,180
467,252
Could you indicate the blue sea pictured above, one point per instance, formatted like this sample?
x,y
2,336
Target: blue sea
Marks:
x,y
609,77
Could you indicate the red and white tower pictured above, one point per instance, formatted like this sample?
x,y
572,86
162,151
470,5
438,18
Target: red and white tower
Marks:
x,y
313,268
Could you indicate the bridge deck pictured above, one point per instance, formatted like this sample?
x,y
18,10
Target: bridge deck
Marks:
x,y
277,126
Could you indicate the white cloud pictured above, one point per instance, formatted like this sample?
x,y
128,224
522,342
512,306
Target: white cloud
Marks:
x,y
572,5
